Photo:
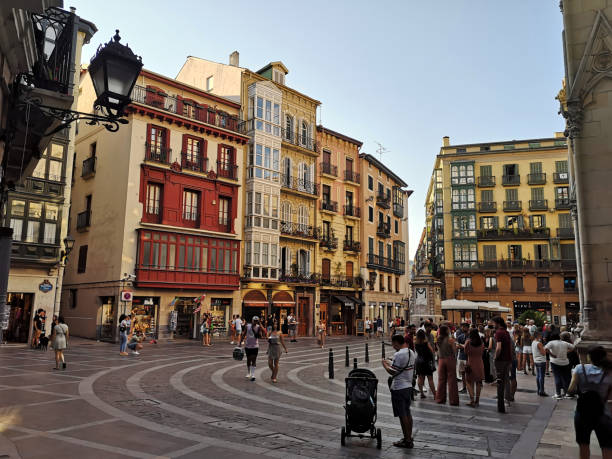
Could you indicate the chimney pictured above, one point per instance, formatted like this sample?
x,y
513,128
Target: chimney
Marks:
x,y
445,141
234,59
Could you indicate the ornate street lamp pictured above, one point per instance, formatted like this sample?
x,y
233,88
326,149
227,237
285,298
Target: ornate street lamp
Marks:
x,y
68,246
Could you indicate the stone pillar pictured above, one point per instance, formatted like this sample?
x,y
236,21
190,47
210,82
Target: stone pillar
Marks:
x,y
586,104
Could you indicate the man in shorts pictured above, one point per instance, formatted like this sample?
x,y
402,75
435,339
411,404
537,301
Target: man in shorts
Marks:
x,y
292,327
461,336
401,370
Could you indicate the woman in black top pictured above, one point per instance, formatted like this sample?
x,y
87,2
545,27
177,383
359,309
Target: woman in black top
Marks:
x,y
425,365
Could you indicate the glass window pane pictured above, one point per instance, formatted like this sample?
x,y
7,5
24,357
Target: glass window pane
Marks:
x,y
16,225
39,172
51,211
55,171
35,210
57,150
17,207
33,231
50,233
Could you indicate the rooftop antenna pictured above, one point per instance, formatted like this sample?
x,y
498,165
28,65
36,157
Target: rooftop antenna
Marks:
x,y
381,150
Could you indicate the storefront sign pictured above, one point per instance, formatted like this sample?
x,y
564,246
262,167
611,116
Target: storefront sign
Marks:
x,y
45,286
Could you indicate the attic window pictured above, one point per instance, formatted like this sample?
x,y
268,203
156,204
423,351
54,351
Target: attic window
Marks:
x,y
278,76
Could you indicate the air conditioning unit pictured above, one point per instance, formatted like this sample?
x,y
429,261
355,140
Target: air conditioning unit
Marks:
x,y
563,175
126,295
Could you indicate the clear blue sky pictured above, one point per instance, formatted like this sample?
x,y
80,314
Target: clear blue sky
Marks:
x,y
402,73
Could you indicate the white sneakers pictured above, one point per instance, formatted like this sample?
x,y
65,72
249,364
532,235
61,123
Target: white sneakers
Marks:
x,y
135,353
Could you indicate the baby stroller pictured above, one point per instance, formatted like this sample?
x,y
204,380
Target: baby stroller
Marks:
x,y
360,406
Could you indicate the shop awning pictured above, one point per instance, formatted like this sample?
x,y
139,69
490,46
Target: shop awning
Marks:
x,y
467,305
256,304
286,304
356,300
344,300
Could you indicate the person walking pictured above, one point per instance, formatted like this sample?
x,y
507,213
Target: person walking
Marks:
x,y
503,361
125,326
205,330
447,367
593,384
560,364
425,364
322,331
539,361
517,337
233,329
379,328
461,336
60,342
527,351
239,324
292,327
250,337
401,370
275,341
368,327
486,355
474,369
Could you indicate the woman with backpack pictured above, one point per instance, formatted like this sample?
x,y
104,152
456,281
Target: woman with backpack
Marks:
x,y
250,337
593,384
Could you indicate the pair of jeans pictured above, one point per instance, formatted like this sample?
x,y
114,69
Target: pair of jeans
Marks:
x,y
562,375
502,370
122,342
540,372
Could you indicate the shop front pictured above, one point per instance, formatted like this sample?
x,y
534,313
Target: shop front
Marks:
x,y
186,326
220,310
343,312
283,304
572,313
108,318
145,313
20,317
544,307
254,303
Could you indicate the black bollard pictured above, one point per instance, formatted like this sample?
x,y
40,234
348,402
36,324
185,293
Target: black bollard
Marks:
x,y
355,363
383,350
346,359
331,364
367,356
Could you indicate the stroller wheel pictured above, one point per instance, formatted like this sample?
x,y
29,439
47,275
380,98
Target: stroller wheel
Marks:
x,y
343,436
378,438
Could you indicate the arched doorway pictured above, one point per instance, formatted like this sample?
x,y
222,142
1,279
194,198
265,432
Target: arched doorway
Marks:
x,y
282,304
254,303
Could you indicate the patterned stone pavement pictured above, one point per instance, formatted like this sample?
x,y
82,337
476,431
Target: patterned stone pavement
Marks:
x,y
182,400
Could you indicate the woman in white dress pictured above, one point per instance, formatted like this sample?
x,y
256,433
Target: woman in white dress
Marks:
x,y
60,340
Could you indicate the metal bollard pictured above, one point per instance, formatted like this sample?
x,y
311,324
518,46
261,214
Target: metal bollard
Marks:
x,y
367,354
346,359
331,364
383,350
355,363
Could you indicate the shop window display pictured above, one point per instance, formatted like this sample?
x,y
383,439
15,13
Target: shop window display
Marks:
x,y
107,317
144,315
218,308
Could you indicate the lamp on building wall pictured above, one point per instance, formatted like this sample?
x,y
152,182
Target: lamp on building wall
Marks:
x,y
68,246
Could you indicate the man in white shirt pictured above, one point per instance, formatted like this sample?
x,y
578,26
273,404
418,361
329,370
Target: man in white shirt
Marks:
x,y
401,370
238,325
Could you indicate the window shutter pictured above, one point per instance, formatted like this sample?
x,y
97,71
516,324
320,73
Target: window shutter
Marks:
x,y
496,222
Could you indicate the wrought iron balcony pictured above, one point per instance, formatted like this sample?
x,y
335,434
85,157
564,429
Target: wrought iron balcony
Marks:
x,y
536,179
487,206
563,203
383,200
201,113
328,242
513,206
538,204
299,230
299,140
351,246
385,264
565,233
298,184
329,169
561,177
157,153
83,220
299,278
383,230
511,180
485,181
517,265
339,280
505,234
351,176
330,206
89,167
193,162
352,211
227,170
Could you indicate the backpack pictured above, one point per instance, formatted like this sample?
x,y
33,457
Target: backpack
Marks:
x,y
590,405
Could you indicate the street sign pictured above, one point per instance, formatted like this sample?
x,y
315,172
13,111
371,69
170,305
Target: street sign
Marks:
x,y
45,286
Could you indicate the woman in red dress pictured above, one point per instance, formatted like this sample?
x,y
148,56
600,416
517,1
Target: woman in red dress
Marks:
x,y
474,371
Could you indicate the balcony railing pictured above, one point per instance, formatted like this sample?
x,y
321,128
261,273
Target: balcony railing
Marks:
x,y
487,206
536,179
398,210
383,201
565,233
516,265
352,211
329,169
291,137
502,234
299,278
385,264
89,167
208,115
83,220
562,203
328,242
538,204
340,280
227,170
561,177
298,184
491,289
351,246
157,153
330,206
513,206
299,230
511,180
351,176
383,230
193,162
485,181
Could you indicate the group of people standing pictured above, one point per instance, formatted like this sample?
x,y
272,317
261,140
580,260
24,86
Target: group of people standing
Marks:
x,y
58,337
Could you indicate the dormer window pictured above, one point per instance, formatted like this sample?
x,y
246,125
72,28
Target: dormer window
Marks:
x,y
278,76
